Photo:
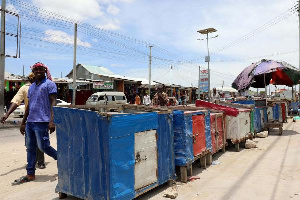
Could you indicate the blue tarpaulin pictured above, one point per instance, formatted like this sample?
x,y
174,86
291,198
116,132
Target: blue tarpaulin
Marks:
x,y
207,132
96,153
183,138
276,112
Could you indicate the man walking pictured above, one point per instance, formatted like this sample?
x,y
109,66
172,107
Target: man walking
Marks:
x,y
15,102
38,119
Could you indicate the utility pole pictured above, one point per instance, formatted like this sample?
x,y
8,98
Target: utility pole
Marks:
x,y
2,58
207,58
199,82
74,65
299,45
23,71
150,60
171,80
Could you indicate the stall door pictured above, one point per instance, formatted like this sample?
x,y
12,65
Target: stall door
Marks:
x,y
220,131
145,151
199,144
214,137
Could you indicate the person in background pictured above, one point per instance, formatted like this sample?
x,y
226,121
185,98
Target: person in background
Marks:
x,y
137,99
147,100
38,119
15,102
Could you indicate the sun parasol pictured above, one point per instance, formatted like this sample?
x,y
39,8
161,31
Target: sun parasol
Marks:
x,y
267,72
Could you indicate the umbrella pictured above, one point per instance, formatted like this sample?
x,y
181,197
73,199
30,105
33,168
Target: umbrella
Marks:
x,y
267,72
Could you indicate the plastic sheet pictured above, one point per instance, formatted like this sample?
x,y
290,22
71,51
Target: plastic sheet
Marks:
x,y
276,112
96,153
227,110
247,102
165,145
257,120
207,132
183,138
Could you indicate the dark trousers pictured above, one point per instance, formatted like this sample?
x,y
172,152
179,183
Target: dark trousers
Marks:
x,y
40,157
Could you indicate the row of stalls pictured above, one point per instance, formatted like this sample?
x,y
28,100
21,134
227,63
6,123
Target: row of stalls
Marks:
x,y
131,149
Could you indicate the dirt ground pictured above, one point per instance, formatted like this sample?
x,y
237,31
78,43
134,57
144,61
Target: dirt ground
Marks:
x,y
271,171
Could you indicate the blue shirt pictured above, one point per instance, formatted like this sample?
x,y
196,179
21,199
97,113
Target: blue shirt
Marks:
x,y
39,101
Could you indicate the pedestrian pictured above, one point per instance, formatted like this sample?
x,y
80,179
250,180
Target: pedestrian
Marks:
x,y
15,102
147,100
137,100
38,119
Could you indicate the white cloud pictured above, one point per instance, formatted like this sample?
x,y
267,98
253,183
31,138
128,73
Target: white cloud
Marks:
x,y
63,38
113,10
110,25
74,9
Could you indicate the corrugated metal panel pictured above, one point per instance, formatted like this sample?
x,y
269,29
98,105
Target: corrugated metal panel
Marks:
x,y
145,151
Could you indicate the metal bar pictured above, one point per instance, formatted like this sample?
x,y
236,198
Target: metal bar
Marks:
x,y
150,59
2,58
74,65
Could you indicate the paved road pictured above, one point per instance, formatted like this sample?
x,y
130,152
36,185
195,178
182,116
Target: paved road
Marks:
x,y
271,171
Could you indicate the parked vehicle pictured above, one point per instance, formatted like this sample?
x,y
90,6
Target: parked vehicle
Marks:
x,y
60,102
106,98
20,110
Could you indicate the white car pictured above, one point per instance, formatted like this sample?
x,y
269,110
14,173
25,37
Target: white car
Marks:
x,y
20,110
60,102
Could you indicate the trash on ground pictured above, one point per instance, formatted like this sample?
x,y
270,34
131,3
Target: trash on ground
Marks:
x,y
193,178
171,192
263,134
215,162
250,144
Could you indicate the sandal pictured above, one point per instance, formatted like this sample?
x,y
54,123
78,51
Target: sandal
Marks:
x,y
23,179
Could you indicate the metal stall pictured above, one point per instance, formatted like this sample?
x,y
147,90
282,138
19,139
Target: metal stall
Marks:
x,y
192,139
112,155
237,121
218,134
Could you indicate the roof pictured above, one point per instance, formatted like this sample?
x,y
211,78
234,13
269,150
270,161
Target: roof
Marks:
x,y
98,70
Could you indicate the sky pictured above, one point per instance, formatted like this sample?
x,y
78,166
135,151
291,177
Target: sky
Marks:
x,y
122,31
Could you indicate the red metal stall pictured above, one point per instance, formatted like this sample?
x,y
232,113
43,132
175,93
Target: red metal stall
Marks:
x,y
217,127
283,110
199,143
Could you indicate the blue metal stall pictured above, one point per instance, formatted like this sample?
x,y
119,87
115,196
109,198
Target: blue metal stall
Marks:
x,y
112,156
185,145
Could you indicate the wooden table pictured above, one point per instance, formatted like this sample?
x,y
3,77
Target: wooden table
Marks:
x,y
274,125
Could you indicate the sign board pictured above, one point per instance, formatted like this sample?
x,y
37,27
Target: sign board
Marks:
x,y
103,85
204,81
77,84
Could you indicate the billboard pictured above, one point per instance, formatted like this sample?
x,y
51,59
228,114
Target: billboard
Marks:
x,y
204,81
